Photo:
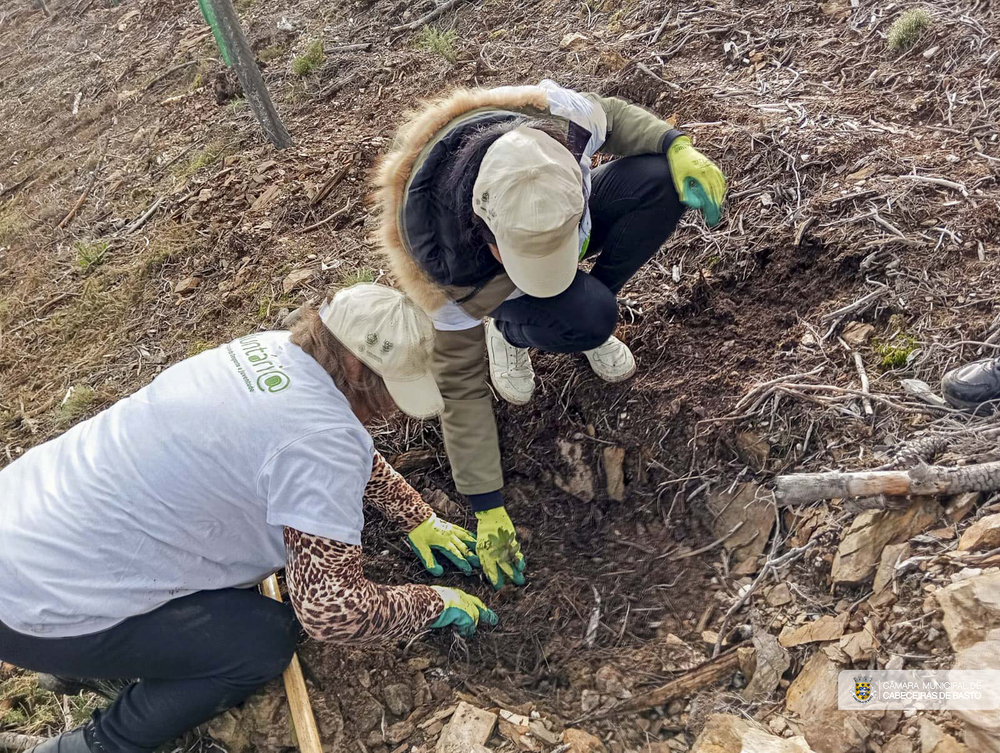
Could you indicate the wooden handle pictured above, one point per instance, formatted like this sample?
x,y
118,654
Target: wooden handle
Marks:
x,y
303,719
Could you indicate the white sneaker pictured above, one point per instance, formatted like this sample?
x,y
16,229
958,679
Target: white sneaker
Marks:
x,y
613,361
510,367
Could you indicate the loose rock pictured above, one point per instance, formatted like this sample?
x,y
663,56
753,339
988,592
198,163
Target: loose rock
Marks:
x,y
263,721
971,609
983,534
614,459
467,728
982,728
582,742
812,697
365,711
861,546
574,41
779,595
296,279
887,563
399,698
610,681
756,516
826,628
187,285
961,505
771,663
933,739
856,333
725,733
399,731
579,478
898,744
589,700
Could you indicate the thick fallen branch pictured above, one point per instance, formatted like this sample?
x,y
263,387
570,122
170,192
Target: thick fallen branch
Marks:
x,y
802,488
703,676
12,741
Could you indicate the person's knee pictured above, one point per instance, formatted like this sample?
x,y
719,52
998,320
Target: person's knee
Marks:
x,y
597,320
268,644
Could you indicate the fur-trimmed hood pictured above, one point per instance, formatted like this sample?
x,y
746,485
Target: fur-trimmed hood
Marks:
x,y
422,127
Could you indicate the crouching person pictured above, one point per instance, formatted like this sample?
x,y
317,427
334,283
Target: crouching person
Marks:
x,y
130,545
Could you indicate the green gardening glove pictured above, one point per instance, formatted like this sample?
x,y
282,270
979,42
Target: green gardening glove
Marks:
x,y
699,183
454,542
462,610
497,548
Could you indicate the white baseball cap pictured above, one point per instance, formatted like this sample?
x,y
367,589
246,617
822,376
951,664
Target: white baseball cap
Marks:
x,y
388,333
530,194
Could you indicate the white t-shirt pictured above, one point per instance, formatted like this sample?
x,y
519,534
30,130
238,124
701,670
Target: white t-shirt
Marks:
x,y
185,486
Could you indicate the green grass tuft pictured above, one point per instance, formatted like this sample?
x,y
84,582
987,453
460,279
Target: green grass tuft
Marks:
x,y
34,711
906,30
272,52
310,60
211,154
894,354
440,42
90,254
198,346
357,277
80,400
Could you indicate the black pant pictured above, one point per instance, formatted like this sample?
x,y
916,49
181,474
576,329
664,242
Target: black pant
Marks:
x,y
195,657
634,208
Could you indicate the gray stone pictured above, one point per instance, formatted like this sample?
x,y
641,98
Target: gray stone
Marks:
x,y
399,698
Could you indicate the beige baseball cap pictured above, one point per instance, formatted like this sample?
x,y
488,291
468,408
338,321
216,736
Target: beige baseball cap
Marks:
x,y
530,194
392,337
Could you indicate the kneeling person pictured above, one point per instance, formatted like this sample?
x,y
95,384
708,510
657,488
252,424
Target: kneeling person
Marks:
x,y
131,543
489,204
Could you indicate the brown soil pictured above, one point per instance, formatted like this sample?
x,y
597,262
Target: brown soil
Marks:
x,y
809,114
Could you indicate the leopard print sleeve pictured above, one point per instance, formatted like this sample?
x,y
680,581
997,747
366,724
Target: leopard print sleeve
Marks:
x,y
335,602
388,492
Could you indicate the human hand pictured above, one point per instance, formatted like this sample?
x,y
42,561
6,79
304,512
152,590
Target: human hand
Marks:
x,y
462,610
453,541
699,182
497,548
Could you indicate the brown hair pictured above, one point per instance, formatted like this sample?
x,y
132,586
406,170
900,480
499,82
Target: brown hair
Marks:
x,y
368,395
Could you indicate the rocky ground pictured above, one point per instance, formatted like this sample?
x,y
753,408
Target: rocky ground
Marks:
x,y
143,219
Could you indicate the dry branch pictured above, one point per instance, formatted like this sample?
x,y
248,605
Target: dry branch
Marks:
x,y
79,202
924,480
441,9
863,375
704,675
145,217
857,306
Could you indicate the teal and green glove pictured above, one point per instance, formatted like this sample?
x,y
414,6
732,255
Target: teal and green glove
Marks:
x,y
699,182
454,542
462,610
497,548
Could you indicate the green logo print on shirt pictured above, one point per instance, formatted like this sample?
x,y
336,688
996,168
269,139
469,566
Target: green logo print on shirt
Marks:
x,y
268,372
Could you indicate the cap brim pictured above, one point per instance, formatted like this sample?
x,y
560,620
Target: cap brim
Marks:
x,y
543,276
419,398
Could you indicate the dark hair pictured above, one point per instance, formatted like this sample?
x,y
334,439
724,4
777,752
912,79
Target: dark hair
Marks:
x,y
465,169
